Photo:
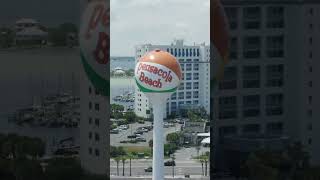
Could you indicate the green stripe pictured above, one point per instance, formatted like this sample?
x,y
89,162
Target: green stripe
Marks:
x,y
143,89
101,84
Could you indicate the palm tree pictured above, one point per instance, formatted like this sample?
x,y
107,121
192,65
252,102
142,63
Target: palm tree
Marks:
x,y
117,159
201,160
130,157
123,159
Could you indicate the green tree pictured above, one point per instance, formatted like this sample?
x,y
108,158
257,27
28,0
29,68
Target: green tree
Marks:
x,y
174,138
123,160
58,36
130,157
130,117
117,159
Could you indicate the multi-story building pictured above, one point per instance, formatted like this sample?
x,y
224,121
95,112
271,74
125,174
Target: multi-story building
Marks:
x,y
94,123
270,85
194,88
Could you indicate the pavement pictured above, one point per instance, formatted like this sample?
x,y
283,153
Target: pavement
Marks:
x,y
116,138
166,177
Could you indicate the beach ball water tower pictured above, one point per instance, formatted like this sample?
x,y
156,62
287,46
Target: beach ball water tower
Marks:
x,y
158,75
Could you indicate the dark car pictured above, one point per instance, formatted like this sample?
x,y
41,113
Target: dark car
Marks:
x,y
170,163
148,169
132,136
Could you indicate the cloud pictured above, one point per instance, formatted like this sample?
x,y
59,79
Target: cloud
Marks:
x,y
158,22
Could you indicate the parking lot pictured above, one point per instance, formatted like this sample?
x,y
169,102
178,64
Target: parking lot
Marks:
x,y
115,139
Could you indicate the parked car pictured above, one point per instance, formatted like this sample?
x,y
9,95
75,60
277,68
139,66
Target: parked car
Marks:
x,y
132,136
148,169
125,127
141,139
114,131
170,163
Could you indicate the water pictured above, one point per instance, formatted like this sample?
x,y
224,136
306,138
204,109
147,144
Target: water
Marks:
x,y
26,74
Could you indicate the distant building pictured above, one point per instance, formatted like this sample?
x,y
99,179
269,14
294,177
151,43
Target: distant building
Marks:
x,y
193,91
24,23
270,86
28,32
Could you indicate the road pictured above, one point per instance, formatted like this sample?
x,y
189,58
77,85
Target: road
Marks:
x,y
182,167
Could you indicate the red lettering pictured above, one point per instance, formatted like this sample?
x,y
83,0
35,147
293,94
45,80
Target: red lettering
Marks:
x,y
101,53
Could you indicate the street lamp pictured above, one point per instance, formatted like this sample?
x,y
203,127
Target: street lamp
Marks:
x,y
173,163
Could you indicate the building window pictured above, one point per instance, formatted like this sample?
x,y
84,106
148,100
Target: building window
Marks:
x,y
251,76
310,99
252,46
309,127
251,129
274,104
97,152
188,76
97,106
97,122
183,52
227,130
182,67
90,135
274,128
252,17
96,137
90,90
188,67
174,96
188,85
198,52
181,95
275,45
195,102
188,95
187,52
275,17
195,67
232,14
96,91
310,113
195,94
311,11
233,48
196,85
251,106
274,75
230,79
90,105
228,107
181,86
179,53
196,76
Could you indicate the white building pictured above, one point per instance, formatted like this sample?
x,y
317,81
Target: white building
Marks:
x,y
94,125
270,85
24,23
195,86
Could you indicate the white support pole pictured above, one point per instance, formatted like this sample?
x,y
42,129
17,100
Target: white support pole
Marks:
x,y
159,105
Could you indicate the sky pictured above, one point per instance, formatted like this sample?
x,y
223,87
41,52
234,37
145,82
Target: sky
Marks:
x,y
47,12
135,22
